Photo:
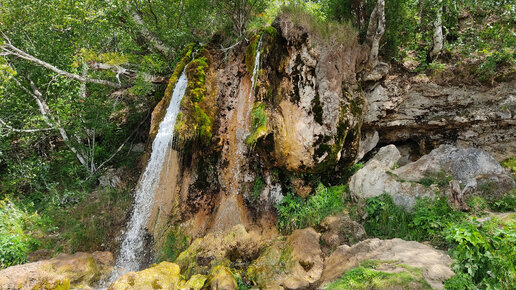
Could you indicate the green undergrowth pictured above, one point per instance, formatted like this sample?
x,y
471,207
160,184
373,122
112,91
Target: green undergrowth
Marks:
x,y
294,212
328,31
425,223
16,229
175,243
258,124
484,252
366,276
89,225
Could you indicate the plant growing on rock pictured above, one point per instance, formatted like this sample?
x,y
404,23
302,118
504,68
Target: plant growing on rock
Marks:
x,y
295,213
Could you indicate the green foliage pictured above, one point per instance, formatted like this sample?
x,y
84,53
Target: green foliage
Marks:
x,y
295,213
367,277
16,227
327,31
506,203
510,163
486,252
88,225
258,186
175,243
258,124
425,223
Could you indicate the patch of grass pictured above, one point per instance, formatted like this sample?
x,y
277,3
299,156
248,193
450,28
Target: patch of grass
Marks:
x,y
294,212
331,32
441,179
425,223
367,277
505,203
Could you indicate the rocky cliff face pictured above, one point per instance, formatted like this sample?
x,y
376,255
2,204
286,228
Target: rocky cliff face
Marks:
x,y
306,118
303,116
422,113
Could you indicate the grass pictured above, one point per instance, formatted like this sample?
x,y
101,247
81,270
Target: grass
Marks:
x,y
330,32
367,277
294,212
425,223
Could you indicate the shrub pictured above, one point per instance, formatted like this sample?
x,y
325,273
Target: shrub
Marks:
x,y
295,213
484,251
15,238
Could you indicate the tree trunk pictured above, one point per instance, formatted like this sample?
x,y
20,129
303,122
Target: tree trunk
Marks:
x,y
375,31
438,39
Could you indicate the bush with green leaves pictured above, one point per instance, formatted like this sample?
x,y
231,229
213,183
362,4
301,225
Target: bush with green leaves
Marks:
x,y
15,234
294,212
486,252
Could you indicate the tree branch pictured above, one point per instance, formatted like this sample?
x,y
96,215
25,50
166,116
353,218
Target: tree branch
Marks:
x,y
129,73
9,49
10,128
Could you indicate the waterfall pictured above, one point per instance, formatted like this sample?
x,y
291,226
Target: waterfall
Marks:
x,y
243,119
132,248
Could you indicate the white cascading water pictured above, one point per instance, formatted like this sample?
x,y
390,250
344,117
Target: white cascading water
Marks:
x,y
132,247
243,131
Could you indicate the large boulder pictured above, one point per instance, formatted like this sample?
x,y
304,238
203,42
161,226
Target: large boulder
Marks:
x,y
474,170
378,177
292,264
80,270
221,278
435,265
340,229
219,249
165,275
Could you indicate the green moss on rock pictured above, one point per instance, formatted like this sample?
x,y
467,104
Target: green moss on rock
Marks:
x,y
381,275
258,124
195,121
161,108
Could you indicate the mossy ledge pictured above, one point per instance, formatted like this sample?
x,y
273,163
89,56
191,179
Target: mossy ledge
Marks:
x,y
160,110
258,124
195,120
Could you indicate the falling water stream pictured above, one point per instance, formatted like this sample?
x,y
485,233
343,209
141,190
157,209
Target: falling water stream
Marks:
x,y
243,120
132,249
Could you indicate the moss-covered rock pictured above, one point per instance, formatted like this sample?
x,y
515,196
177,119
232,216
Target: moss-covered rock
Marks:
x,y
80,270
221,278
161,108
294,263
165,275
216,249
195,122
258,123
375,274
313,102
